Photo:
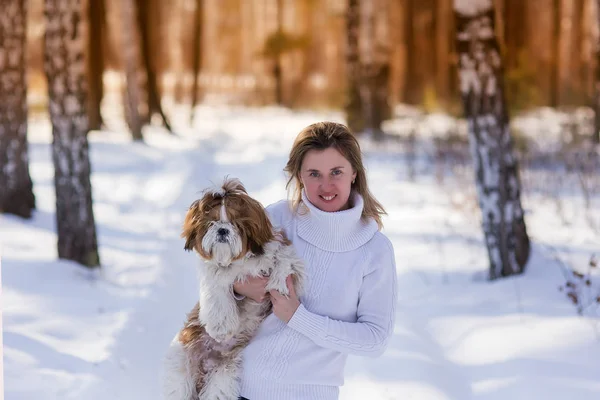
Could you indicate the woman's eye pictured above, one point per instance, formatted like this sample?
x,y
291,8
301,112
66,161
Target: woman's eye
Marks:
x,y
336,172
314,174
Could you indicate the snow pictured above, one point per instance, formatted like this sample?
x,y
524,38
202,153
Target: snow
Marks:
x,y
70,333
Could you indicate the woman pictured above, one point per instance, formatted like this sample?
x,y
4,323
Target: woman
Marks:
x,y
348,306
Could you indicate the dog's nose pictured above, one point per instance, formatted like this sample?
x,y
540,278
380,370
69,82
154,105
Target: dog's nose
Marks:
x,y
222,231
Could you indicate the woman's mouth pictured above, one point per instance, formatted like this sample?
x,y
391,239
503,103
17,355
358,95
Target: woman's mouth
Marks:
x,y
327,199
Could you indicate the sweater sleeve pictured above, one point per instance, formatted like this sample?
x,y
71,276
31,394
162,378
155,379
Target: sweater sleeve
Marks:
x,y
369,335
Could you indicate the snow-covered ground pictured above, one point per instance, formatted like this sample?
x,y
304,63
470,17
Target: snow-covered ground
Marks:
x,y
74,334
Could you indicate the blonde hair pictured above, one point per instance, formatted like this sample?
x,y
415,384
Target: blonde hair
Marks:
x,y
321,136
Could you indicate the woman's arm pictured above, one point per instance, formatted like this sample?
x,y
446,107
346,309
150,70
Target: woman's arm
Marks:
x,y
376,315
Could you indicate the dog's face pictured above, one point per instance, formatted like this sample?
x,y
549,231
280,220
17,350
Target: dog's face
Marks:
x,y
225,224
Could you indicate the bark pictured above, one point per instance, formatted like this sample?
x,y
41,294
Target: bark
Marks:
x,y
132,96
596,134
96,38
16,187
353,107
482,92
197,61
64,64
143,24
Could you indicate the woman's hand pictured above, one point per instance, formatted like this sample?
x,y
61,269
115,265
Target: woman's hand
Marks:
x,y
252,287
284,307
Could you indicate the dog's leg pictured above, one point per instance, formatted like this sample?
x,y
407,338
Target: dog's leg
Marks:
x,y
223,382
287,263
218,312
178,381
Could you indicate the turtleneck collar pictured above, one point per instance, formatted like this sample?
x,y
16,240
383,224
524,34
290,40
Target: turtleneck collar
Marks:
x,y
335,231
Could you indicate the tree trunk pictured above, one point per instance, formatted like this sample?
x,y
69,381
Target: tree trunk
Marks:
x,y
443,39
579,24
197,62
143,22
498,187
132,96
596,134
374,76
178,30
97,23
555,86
353,106
412,89
515,20
277,69
16,187
64,64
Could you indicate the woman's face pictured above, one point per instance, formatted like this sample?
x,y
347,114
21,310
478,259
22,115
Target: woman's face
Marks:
x,y
327,178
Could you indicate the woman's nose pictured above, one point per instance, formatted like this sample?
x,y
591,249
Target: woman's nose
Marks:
x,y
326,182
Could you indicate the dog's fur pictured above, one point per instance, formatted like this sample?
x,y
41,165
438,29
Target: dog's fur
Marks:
x,y
233,235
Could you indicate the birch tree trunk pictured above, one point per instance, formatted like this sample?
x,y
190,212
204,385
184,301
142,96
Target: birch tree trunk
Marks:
x,y
596,135
16,187
353,107
64,64
498,187
131,58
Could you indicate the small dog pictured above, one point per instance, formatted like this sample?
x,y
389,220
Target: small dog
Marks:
x,y
233,235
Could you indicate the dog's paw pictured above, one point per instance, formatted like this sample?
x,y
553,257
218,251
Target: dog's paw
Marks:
x,y
281,287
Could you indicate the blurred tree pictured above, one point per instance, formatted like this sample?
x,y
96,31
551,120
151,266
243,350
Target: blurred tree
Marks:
x,y
596,135
443,46
498,187
277,69
64,63
145,24
421,28
131,59
276,46
411,86
96,39
16,187
556,22
353,106
515,22
197,51
374,75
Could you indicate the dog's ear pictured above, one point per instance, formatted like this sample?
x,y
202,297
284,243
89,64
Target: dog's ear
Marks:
x,y
256,248
258,228
190,225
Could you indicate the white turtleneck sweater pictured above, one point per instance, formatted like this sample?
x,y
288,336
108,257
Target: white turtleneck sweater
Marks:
x,y
348,306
